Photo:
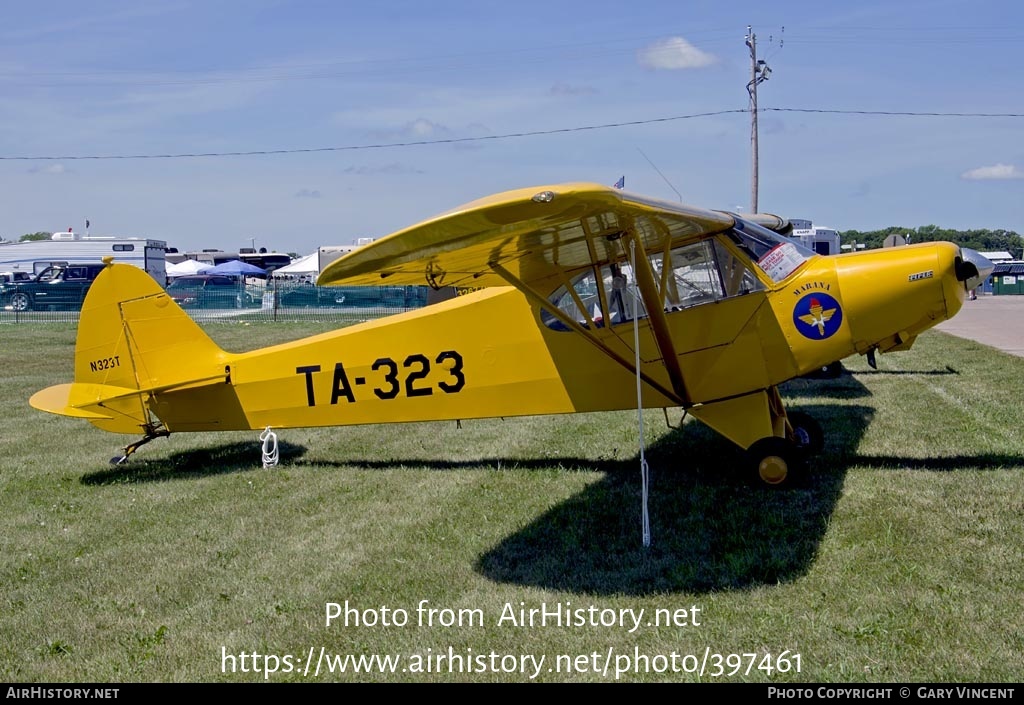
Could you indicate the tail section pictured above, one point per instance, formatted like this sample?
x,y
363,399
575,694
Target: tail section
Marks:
x,y
133,341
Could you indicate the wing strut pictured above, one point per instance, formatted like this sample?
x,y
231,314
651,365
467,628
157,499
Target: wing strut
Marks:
x,y
653,302
574,326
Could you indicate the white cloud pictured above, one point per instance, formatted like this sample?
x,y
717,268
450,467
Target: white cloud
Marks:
x,y
424,128
388,169
419,129
673,53
567,89
49,169
992,173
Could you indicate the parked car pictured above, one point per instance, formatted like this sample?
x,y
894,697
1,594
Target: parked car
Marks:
x,y
383,296
14,277
306,295
209,291
57,287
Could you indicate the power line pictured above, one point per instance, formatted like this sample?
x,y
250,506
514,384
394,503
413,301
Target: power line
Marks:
x,y
510,135
890,112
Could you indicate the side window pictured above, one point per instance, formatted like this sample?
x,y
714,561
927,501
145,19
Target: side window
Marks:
x,y
690,276
623,304
736,278
583,296
583,293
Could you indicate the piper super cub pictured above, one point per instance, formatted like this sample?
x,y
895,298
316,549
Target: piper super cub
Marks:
x,y
578,297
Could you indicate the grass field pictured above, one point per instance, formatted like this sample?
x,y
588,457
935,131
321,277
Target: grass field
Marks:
x,y
901,560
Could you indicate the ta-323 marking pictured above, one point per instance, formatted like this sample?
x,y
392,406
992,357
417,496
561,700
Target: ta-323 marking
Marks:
x,y
416,376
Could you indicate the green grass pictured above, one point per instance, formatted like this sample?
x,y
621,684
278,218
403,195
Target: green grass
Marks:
x,y
900,560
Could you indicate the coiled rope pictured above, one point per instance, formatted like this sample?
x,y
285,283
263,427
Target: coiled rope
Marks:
x,y
270,452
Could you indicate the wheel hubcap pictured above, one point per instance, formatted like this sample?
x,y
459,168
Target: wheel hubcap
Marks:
x,y
773,469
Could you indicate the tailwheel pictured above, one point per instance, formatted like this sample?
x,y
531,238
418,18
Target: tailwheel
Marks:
x,y
151,433
777,462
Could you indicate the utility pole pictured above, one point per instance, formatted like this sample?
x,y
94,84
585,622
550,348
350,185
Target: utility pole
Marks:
x,y
759,72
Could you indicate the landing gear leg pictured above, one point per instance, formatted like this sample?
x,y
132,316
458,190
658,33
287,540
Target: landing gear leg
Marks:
x,y
781,460
806,432
151,433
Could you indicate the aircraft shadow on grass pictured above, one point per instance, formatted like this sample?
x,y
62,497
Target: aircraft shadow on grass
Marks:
x,y
240,456
711,526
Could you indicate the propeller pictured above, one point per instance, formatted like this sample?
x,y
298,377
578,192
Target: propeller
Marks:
x,y
972,268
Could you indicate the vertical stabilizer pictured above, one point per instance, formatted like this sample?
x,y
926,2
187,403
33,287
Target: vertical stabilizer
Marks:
x,y
132,340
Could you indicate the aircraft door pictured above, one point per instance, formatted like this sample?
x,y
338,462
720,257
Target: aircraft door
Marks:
x,y
709,294
687,279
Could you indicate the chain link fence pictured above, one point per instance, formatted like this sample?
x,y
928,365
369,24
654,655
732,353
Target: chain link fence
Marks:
x,y
245,302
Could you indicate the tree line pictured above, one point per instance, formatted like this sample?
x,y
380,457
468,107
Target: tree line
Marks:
x,y
980,240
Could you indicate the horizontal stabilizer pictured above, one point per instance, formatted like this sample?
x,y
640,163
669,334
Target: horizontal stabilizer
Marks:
x,y
56,400
111,408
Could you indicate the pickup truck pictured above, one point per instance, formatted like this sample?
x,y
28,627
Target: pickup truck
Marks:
x,y
56,287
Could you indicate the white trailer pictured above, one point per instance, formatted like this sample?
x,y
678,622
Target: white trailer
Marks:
x,y
71,248
824,241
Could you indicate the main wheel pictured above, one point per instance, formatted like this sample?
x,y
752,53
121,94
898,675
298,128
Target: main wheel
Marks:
x,y
20,301
832,370
807,433
776,462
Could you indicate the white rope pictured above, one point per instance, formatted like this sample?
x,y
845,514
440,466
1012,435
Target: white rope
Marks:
x,y
270,453
645,519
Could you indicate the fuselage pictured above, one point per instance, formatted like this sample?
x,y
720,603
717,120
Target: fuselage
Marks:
x,y
496,352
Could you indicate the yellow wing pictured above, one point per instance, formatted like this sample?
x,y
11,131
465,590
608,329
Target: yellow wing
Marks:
x,y
534,233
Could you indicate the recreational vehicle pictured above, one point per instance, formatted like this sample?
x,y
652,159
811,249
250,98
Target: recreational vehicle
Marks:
x,y
267,261
824,241
69,247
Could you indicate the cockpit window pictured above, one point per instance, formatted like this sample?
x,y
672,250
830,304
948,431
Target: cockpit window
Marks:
x,y
583,301
775,255
689,276
693,274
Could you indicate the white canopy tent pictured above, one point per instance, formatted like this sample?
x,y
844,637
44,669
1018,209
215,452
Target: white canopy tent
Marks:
x,y
186,267
307,267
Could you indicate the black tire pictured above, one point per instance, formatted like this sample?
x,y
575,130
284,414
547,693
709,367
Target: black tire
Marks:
x,y
776,462
21,301
832,370
807,433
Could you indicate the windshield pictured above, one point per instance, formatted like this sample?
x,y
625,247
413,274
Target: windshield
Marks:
x,y
775,255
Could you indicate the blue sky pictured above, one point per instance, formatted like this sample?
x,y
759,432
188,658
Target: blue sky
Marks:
x,y
334,89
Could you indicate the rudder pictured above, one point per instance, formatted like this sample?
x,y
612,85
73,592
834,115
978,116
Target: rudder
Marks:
x,y
132,340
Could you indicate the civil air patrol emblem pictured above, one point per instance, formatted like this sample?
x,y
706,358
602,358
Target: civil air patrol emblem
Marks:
x,y
817,316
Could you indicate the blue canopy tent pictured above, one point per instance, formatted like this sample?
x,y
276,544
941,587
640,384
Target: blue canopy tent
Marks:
x,y
236,268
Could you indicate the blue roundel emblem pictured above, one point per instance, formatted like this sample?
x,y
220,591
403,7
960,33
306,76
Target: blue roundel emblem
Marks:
x,y
817,316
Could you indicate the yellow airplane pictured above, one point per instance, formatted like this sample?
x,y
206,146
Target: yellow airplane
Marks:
x,y
574,298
